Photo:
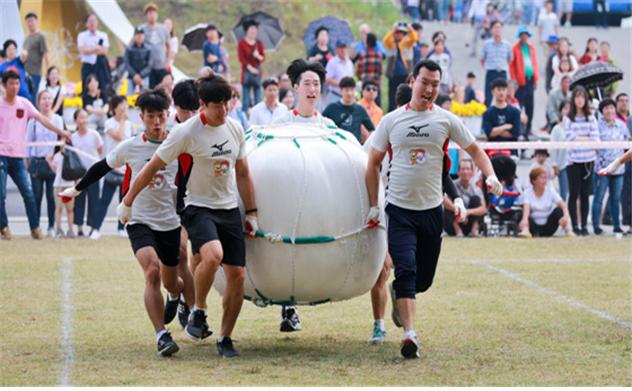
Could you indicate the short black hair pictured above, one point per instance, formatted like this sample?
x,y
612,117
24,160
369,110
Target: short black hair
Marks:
x,y
153,101
185,95
347,82
283,93
249,23
270,82
7,43
318,30
211,26
429,65
562,104
115,101
77,112
417,26
300,66
30,15
500,82
441,99
8,75
495,22
471,75
369,82
620,95
607,102
213,88
403,94
371,40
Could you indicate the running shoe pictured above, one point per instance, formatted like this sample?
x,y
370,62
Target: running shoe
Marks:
x,y
166,345
378,335
183,312
410,348
289,320
226,348
171,309
197,328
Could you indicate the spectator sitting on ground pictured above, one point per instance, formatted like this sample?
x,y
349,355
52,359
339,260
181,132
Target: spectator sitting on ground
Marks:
x,y
474,202
137,63
543,209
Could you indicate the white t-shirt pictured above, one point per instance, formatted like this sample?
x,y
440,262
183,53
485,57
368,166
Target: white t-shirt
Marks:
x,y
294,116
419,142
337,69
155,205
91,40
214,152
88,143
58,160
548,23
445,62
262,115
108,141
541,207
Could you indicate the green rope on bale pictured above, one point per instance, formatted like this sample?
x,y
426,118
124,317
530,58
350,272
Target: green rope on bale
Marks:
x,y
331,140
301,240
296,143
342,136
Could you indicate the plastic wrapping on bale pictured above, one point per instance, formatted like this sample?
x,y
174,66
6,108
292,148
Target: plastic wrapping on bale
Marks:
x,y
312,203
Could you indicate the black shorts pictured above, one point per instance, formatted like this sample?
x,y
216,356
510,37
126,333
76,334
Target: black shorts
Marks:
x,y
166,243
204,225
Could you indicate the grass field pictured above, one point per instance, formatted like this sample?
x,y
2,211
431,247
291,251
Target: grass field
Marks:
x,y
501,312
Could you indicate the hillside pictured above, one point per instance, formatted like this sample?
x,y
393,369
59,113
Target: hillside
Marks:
x,y
295,15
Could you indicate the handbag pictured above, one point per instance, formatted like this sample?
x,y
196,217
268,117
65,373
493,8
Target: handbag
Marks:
x,y
251,80
72,168
39,168
113,178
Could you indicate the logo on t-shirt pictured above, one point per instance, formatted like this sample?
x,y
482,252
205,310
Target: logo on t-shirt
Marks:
x,y
157,181
221,168
417,156
417,131
346,120
19,113
502,119
220,149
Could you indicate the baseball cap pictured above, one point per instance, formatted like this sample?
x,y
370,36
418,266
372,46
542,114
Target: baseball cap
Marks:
x,y
139,30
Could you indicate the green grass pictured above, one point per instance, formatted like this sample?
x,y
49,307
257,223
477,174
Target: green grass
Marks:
x,y
477,327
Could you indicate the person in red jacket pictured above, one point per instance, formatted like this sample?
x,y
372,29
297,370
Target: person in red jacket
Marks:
x,y
251,54
523,68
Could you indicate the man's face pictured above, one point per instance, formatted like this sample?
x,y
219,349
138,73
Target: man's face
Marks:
x,y
500,93
11,87
31,24
465,171
212,35
369,93
426,86
341,52
497,30
92,23
308,88
272,92
215,113
609,113
623,104
151,16
154,121
348,94
566,84
284,82
399,35
524,37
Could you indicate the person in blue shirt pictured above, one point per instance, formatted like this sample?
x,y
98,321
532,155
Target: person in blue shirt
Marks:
x,y
470,92
501,121
211,50
360,46
16,63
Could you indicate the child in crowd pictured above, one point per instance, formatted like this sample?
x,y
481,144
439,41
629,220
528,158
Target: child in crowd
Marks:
x,y
56,160
541,156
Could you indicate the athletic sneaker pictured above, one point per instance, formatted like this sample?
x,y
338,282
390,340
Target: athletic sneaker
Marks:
x,y
226,348
122,233
395,311
59,234
70,234
80,234
197,328
50,233
410,348
377,338
289,320
95,234
171,309
166,345
36,234
183,312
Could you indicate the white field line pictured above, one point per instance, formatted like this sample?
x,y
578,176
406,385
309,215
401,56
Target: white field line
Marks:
x,y
558,296
554,260
67,350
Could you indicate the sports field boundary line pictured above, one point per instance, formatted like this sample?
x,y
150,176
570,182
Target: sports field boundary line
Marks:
x,y
67,349
556,295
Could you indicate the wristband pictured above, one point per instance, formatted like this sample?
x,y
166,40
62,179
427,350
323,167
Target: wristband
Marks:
x,y
253,210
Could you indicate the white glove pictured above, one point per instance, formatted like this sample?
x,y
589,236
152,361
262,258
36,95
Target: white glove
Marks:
x,y
494,186
460,213
124,213
252,225
611,168
68,194
373,219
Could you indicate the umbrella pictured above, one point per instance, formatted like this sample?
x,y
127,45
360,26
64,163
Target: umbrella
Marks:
x,y
270,30
195,37
597,75
339,31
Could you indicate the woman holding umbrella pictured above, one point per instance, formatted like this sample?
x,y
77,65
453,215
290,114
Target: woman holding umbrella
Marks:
x,y
251,55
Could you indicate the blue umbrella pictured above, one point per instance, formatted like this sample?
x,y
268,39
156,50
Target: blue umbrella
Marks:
x,y
339,31
270,30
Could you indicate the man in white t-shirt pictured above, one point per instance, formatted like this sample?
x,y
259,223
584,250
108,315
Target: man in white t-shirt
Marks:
x,y
418,135
91,44
264,112
211,216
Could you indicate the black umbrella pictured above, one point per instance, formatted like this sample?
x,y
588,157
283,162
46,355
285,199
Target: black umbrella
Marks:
x,y
270,30
339,31
195,37
597,75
